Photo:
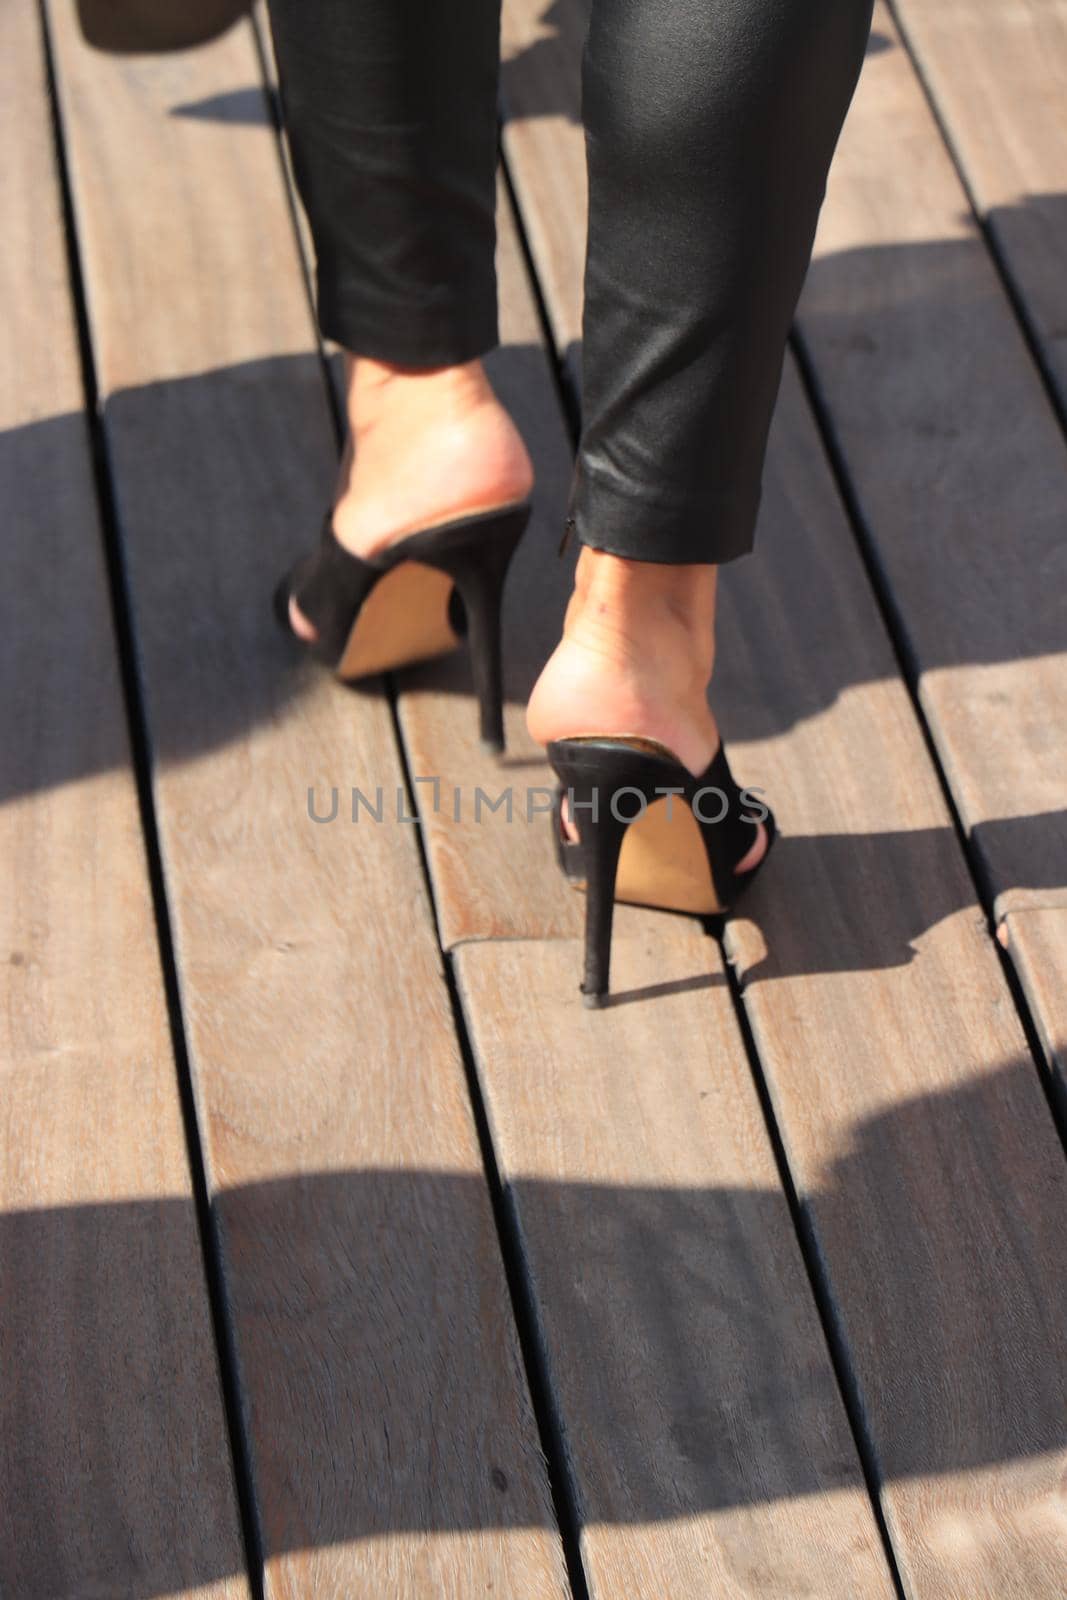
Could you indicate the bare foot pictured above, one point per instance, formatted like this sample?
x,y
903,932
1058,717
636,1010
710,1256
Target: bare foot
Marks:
x,y
423,447
636,657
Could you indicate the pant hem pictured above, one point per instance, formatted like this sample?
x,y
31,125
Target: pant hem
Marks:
x,y
406,337
625,522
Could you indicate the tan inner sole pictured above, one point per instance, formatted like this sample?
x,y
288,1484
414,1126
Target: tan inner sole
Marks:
x,y
404,619
663,862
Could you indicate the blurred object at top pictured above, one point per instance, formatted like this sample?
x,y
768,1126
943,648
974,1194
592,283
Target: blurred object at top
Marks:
x,y
133,27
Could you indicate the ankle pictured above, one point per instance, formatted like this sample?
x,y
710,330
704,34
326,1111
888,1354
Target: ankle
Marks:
x,y
636,657
654,613
423,446
378,390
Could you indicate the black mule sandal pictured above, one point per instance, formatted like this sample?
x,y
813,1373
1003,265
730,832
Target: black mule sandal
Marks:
x,y
413,601
651,834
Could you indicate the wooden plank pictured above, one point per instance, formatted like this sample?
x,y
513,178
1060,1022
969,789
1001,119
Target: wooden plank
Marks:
x,y
913,1121
391,1436
1037,943
705,1435
114,1457
915,1127
998,75
959,466
540,86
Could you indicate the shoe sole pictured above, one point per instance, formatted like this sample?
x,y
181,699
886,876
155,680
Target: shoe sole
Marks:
x,y
406,618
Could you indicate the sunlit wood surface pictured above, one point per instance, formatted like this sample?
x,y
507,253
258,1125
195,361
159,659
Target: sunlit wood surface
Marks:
x,y
342,1252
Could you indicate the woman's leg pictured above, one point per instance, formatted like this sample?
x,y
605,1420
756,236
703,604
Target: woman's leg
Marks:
x,y
391,111
710,126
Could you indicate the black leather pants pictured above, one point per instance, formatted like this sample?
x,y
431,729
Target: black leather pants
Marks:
x,y
710,125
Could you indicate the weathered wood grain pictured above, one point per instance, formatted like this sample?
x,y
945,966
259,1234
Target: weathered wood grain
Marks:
x,y
542,138
958,463
115,1473
914,1123
392,1444
706,1438
1037,943
915,1127
998,75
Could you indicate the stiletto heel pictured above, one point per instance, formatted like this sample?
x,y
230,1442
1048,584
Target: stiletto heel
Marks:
x,y
584,772
413,601
651,834
479,573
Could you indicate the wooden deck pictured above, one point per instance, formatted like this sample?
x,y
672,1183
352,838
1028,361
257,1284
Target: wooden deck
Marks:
x,y
341,1252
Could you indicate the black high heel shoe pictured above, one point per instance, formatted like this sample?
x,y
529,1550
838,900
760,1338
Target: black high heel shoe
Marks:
x,y
651,834
418,599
